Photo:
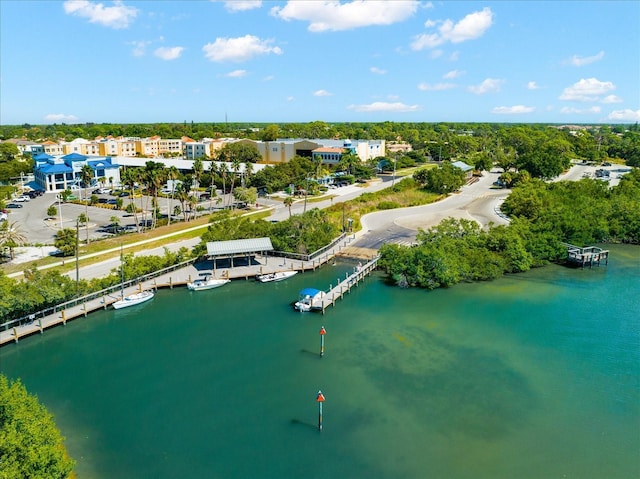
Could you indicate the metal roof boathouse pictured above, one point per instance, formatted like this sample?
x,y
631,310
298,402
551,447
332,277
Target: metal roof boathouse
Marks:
x,y
234,248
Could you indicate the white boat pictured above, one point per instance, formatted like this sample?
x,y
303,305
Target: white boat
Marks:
x,y
308,299
207,283
133,299
279,276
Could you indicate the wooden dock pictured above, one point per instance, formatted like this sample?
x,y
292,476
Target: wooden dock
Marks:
x,y
344,286
178,277
589,255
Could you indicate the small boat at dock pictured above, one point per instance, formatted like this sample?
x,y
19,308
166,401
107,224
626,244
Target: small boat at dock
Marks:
x,y
206,283
272,277
308,299
133,299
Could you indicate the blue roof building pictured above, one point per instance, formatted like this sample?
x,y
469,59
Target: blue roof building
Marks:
x,y
55,174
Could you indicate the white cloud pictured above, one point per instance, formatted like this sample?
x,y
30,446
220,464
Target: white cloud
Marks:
x,y
168,53
242,5
433,54
336,16
436,87
118,16
590,89
396,107
377,71
238,49
624,115
470,27
453,74
139,48
321,93
290,98
512,110
236,74
577,61
612,99
569,110
60,118
532,86
269,78
487,86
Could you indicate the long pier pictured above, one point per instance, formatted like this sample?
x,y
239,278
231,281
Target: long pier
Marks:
x,y
81,307
344,286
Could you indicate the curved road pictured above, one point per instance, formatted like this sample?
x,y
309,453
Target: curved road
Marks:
x,y
477,202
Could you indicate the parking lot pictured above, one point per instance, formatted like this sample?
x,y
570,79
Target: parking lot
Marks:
x,y
31,215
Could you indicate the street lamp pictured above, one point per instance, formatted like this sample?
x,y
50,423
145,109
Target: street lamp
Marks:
x,y
59,209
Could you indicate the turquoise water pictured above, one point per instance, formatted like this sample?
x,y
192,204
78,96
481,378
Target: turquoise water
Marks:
x,y
531,376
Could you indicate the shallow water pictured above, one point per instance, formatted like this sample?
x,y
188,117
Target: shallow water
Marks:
x,y
532,376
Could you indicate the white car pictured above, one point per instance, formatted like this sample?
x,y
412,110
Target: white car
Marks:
x,y
22,199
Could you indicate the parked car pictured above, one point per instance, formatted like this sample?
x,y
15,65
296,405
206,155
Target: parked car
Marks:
x,y
22,199
112,229
34,193
14,205
101,191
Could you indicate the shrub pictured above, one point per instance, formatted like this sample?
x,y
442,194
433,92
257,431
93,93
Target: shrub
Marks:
x,y
388,205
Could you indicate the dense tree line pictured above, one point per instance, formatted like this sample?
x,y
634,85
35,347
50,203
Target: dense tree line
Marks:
x,y
543,216
303,234
541,149
30,444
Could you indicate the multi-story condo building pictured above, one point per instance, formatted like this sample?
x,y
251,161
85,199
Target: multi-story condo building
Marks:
x,y
64,172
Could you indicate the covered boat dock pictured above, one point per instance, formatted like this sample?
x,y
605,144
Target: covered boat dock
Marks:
x,y
242,248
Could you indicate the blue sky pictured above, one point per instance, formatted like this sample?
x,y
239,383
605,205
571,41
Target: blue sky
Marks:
x,y
83,61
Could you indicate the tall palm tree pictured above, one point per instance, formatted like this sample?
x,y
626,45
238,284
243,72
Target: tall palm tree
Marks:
x,y
128,179
172,175
235,168
11,236
198,169
223,171
86,174
182,195
288,201
154,177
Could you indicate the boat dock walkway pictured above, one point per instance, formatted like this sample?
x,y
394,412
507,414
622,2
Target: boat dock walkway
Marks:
x,y
344,286
81,307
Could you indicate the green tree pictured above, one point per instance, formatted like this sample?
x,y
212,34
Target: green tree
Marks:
x,y
86,174
246,195
65,241
288,202
52,211
444,179
239,151
11,236
30,444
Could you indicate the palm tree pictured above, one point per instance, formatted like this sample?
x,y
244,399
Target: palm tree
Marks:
x,y
154,175
198,169
288,201
87,174
172,175
128,178
11,236
182,195
235,167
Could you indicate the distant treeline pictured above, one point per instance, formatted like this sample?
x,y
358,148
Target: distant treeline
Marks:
x,y
439,140
543,216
